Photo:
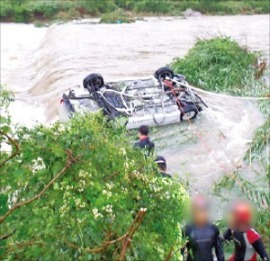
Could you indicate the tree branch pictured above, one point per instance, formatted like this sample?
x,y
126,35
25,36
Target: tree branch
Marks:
x,y
133,228
15,246
71,160
97,249
170,254
15,144
126,238
6,236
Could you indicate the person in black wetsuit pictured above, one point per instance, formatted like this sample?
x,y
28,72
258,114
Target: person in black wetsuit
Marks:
x,y
162,165
144,141
202,236
247,242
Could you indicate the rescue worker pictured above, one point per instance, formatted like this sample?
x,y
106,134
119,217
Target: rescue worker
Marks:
x,y
202,236
144,141
247,242
162,165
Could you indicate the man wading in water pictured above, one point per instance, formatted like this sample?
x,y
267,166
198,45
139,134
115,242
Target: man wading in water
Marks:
x,y
144,141
162,165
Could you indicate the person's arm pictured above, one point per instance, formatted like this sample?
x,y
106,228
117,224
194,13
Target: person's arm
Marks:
x,y
259,247
227,236
218,245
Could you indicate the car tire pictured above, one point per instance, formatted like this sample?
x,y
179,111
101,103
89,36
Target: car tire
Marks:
x,y
189,113
93,82
164,72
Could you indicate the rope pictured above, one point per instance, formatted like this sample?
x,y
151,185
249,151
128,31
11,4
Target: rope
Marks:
x,y
225,169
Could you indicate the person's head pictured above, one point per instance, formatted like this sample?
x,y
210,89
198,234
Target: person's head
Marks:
x,y
161,162
143,131
241,214
200,207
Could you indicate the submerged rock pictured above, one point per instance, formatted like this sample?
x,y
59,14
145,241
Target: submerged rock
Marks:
x,y
190,13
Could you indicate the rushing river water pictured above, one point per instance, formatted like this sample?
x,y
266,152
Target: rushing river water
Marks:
x,y
38,64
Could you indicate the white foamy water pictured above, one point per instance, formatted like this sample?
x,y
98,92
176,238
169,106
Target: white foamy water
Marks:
x,y
38,64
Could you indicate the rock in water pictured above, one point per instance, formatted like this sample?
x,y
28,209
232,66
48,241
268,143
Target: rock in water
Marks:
x,y
190,13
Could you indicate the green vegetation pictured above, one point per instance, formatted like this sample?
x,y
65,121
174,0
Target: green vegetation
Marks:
x,y
221,64
79,191
51,10
118,16
237,184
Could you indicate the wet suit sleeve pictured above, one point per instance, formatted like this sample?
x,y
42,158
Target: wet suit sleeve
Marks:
x,y
218,245
259,247
227,235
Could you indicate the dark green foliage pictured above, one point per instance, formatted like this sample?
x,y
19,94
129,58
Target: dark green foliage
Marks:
x,y
103,183
157,7
118,16
31,10
98,7
218,64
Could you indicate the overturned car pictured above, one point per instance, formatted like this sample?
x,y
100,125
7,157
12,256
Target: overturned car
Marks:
x,y
164,99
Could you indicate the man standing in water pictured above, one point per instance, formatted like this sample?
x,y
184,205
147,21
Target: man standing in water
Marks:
x,y
202,236
162,165
144,141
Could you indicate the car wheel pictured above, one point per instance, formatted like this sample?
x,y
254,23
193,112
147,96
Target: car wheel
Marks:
x,y
163,73
190,112
93,82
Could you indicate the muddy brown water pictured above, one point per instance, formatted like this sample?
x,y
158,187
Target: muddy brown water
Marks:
x,y
38,64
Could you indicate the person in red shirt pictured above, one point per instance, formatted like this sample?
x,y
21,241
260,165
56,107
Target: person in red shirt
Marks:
x,y
247,242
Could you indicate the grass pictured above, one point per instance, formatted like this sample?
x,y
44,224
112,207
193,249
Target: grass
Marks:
x,y
25,11
221,64
118,16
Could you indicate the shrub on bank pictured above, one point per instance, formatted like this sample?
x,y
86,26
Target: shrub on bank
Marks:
x,y
218,64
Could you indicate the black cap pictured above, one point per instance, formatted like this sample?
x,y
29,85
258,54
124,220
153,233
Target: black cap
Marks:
x,y
160,160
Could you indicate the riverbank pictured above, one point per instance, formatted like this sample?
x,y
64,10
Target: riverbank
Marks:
x,y
115,11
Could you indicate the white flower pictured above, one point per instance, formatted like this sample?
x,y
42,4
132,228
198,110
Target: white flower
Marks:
x,y
124,152
84,174
77,201
107,193
96,213
108,208
109,185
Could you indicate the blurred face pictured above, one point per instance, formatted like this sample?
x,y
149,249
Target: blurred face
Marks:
x,y
200,210
200,216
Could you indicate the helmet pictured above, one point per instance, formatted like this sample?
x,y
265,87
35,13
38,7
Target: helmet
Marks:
x,y
242,213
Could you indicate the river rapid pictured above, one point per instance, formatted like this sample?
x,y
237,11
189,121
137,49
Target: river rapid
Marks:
x,y
39,64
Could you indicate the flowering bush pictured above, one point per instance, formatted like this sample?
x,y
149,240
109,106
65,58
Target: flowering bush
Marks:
x,y
80,191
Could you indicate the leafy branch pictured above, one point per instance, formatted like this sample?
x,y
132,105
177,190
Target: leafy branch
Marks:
x,y
170,254
126,238
21,245
15,145
6,236
71,160
133,228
